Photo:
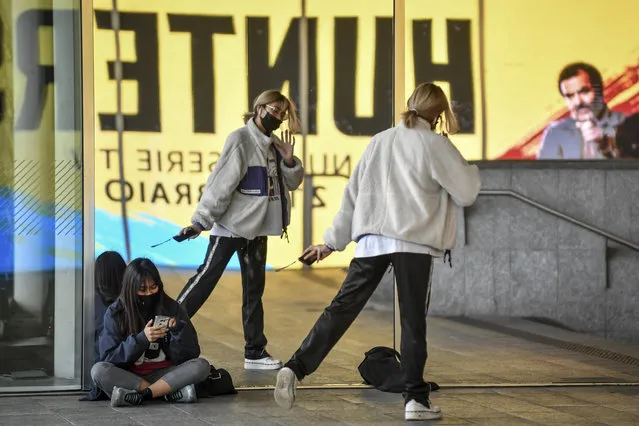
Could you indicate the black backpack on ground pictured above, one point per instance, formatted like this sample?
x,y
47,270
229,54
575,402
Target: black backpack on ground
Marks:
x,y
219,382
381,369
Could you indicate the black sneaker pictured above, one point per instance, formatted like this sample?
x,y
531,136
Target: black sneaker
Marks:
x,y
121,397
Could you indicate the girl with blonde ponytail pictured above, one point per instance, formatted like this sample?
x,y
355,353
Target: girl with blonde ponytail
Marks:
x,y
400,205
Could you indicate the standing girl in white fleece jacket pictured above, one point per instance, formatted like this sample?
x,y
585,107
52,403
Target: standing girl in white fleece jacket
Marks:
x,y
245,200
400,206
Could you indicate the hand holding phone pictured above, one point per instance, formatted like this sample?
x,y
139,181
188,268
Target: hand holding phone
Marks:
x,y
314,254
154,332
187,232
161,321
307,261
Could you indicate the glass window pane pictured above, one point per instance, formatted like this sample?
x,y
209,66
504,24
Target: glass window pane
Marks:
x,y
40,195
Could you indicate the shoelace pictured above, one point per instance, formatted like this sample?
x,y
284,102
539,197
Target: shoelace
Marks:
x,y
174,396
134,398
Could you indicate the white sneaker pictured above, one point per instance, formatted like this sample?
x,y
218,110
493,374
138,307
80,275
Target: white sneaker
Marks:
x,y
417,411
263,363
285,388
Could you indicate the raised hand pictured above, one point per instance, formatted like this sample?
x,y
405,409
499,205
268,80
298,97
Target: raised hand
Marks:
x,y
286,147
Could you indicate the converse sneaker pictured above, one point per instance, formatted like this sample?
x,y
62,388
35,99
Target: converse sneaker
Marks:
x,y
185,395
263,361
121,397
422,411
285,388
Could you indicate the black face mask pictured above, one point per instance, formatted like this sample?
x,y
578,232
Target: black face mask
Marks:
x,y
148,305
270,123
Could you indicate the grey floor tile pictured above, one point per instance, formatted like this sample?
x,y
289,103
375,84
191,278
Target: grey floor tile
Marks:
x,y
505,404
599,412
65,402
556,418
153,408
242,422
368,422
83,419
120,421
205,411
32,420
545,398
629,408
470,411
503,421
276,421
152,420
22,406
93,409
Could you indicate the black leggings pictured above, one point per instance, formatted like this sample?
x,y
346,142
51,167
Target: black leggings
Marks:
x,y
252,256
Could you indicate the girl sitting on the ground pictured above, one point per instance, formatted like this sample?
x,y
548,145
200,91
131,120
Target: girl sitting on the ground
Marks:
x,y
142,360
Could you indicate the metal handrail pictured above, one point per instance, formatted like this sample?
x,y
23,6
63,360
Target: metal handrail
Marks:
x,y
523,198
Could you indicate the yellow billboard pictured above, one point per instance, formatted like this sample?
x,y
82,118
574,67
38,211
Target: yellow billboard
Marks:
x,y
192,68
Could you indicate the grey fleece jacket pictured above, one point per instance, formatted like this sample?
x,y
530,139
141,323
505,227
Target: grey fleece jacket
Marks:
x,y
408,185
236,193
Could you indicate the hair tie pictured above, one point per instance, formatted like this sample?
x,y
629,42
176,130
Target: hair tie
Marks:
x,y
413,109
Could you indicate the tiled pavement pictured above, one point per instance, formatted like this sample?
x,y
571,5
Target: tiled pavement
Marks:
x,y
497,406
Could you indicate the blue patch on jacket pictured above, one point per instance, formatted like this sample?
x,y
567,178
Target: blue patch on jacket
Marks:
x,y
254,182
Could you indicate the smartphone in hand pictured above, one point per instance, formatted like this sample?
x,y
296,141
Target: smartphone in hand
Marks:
x,y
308,261
161,320
181,237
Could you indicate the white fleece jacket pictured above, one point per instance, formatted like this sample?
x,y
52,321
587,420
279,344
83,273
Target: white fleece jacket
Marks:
x,y
236,193
408,185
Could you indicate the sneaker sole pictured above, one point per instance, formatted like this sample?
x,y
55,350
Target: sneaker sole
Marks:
x,y
257,366
422,415
285,389
183,401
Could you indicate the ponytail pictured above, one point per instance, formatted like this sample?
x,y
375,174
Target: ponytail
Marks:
x,y
410,118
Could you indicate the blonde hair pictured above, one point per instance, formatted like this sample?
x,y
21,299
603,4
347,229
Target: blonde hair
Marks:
x,y
429,102
270,96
